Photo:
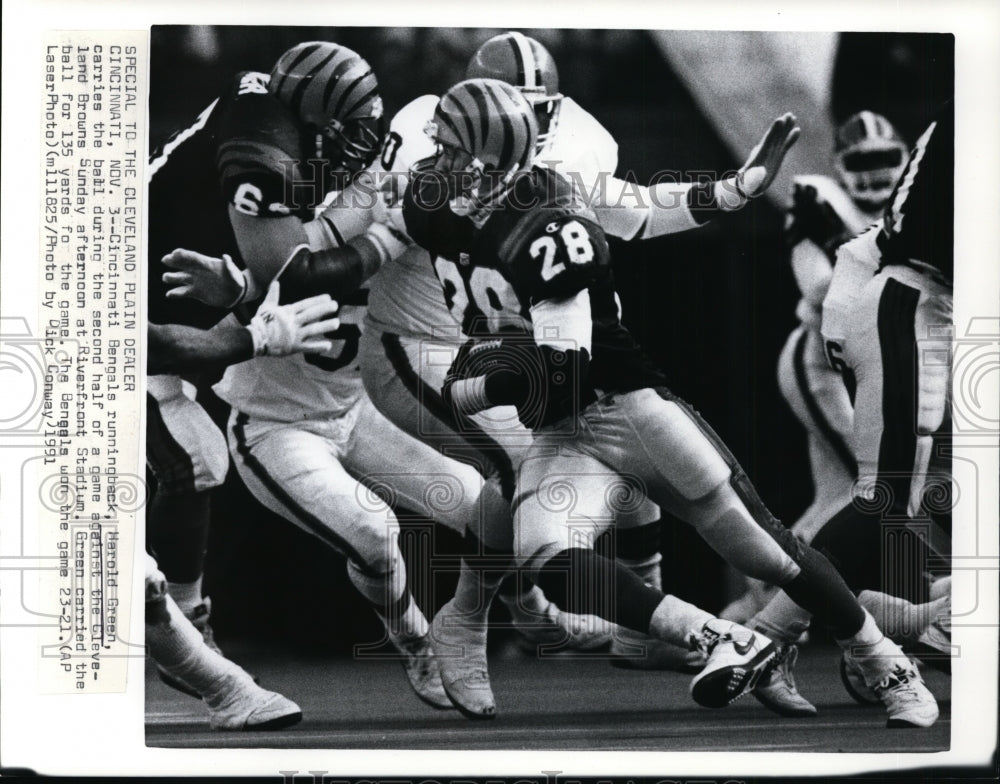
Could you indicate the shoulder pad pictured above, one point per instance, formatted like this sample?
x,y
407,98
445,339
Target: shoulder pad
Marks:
x,y
259,152
555,252
582,143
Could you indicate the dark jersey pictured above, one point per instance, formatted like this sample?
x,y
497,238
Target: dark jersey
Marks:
x,y
541,244
244,150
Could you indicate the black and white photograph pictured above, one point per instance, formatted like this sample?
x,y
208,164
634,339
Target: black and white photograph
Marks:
x,y
565,391
549,389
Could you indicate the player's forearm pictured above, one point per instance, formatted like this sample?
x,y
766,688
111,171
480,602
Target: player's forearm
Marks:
x,y
174,348
629,211
339,271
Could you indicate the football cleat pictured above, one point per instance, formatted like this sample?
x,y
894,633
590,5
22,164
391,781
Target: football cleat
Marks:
x,y
555,628
459,646
240,704
422,670
737,659
854,682
199,616
777,691
637,651
906,698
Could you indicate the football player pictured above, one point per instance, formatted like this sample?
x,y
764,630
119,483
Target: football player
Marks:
x,y
869,156
206,190
304,437
887,322
411,337
600,416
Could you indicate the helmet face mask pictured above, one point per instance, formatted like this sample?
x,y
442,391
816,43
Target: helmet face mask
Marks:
x,y
485,133
334,95
527,65
869,158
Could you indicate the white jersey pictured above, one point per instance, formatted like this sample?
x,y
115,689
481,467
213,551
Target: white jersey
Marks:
x,y
292,388
857,263
300,386
406,297
810,265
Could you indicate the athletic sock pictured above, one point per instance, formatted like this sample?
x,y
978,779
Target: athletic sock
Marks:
x,y
674,620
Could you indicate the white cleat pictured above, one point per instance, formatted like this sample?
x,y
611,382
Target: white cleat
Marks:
x,y
422,670
895,681
777,691
906,698
459,646
243,705
637,651
737,659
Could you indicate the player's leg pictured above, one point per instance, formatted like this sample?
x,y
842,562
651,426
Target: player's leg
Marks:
x,y
295,470
234,701
187,454
404,377
565,500
688,470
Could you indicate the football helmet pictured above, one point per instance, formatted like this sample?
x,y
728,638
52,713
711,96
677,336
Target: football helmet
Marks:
x,y
869,157
523,62
485,132
332,91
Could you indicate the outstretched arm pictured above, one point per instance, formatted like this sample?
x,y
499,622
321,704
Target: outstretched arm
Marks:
x,y
629,210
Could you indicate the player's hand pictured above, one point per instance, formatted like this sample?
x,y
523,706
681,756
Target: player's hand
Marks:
x,y
762,165
279,330
214,281
815,219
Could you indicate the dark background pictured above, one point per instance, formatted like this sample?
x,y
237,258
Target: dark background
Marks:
x,y
712,306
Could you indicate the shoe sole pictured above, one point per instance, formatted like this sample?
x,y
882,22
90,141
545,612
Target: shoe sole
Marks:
x,y
781,710
470,714
903,724
276,723
719,689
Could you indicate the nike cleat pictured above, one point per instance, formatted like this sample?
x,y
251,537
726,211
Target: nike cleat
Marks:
x,y
737,659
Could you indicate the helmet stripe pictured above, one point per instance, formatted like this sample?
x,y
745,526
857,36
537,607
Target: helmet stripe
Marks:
x,y
508,126
478,95
357,81
527,65
290,67
295,101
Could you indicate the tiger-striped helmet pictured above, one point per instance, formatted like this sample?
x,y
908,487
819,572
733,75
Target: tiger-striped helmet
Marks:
x,y
334,93
869,157
523,62
486,133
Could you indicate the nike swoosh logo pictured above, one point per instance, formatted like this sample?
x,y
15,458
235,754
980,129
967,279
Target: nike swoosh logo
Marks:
x,y
742,650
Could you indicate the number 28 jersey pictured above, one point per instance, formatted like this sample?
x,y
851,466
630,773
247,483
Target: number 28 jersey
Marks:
x,y
541,244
